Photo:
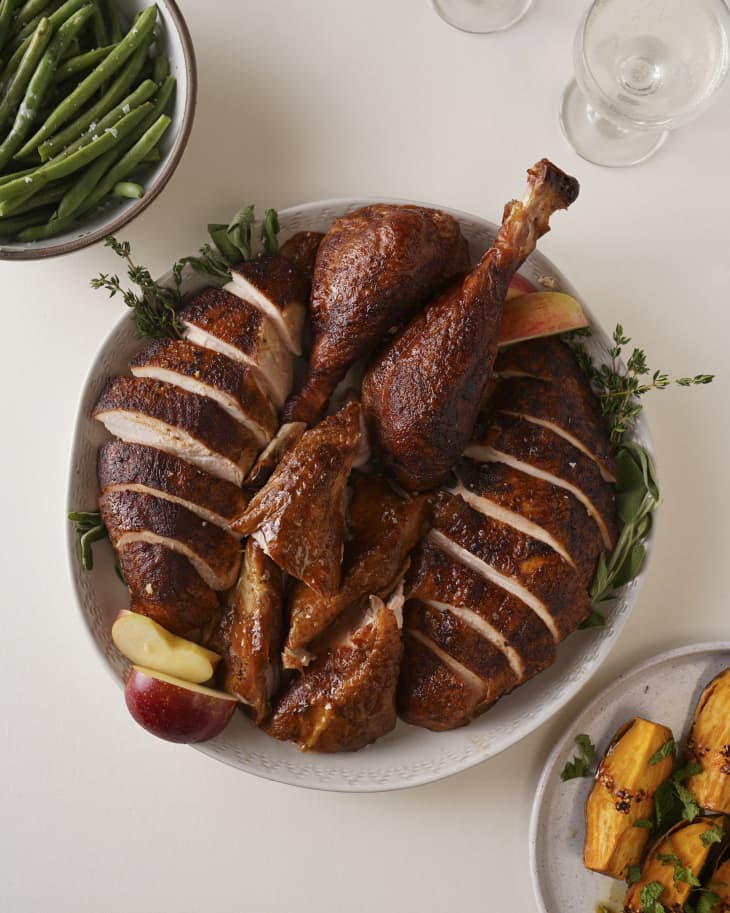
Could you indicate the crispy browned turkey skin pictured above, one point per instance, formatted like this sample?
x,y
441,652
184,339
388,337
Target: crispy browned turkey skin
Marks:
x,y
253,632
502,577
373,268
298,517
383,529
346,698
423,390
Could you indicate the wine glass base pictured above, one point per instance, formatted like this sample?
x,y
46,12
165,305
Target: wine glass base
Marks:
x,y
598,140
481,16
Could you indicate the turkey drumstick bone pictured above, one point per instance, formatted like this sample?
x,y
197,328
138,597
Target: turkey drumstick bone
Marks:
x,y
423,389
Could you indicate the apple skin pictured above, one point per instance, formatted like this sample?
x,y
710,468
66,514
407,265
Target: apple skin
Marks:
x,y
146,643
539,314
519,286
175,710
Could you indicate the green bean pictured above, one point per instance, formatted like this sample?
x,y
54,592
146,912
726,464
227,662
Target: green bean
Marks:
x,y
142,93
136,36
81,62
130,160
161,100
92,115
57,17
79,192
161,69
11,227
39,83
6,178
51,194
27,67
128,189
112,16
63,165
152,157
101,37
7,11
29,10
28,29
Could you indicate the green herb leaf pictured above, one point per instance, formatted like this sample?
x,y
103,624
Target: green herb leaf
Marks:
x,y
713,835
580,766
690,809
707,902
649,897
666,751
689,770
154,311
645,823
89,528
633,875
595,620
270,230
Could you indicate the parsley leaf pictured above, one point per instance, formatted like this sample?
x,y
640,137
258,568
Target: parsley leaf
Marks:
x,y
713,835
580,766
633,875
649,897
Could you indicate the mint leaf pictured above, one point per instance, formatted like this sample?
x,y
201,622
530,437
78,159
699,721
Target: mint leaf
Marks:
x,y
666,751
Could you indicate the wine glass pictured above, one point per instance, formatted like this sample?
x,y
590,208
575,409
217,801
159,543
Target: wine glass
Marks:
x,y
642,67
481,15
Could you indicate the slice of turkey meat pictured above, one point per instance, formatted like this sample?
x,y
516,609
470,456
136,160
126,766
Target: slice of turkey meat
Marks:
x,y
229,383
141,410
217,320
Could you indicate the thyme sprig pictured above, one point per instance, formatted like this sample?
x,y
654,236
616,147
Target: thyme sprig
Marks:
x,y
154,309
619,387
89,529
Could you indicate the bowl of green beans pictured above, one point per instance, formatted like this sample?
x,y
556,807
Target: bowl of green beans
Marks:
x,y
96,105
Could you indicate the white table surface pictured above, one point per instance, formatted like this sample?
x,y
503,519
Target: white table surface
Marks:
x,y
300,101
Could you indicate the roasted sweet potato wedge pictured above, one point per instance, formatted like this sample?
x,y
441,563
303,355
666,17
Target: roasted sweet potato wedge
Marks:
x,y
629,774
672,861
719,884
709,745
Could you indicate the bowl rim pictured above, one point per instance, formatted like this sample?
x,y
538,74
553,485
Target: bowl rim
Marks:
x,y
169,166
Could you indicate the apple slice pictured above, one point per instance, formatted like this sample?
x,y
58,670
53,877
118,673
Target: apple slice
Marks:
x,y
147,643
176,710
519,286
539,314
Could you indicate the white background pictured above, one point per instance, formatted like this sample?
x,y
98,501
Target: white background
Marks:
x,y
300,101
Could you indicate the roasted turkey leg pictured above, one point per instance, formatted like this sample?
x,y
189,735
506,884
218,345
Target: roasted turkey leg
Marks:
x,y
423,390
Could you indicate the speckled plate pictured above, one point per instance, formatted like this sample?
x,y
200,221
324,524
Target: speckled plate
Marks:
x,y
408,756
665,689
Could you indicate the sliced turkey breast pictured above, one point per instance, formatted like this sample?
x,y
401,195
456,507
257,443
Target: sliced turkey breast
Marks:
x,y
217,320
540,452
561,399
555,515
131,516
140,410
207,373
504,621
531,570
133,467
164,585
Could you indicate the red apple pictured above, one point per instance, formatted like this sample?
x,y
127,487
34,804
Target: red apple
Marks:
x,y
519,286
176,710
539,314
147,643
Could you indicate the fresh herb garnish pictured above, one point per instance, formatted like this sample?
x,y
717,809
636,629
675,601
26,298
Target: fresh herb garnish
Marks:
x,y
633,875
682,873
672,803
714,834
619,388
637,495
706,901
580,766
89,529
154,310
233,243
649,897
666,751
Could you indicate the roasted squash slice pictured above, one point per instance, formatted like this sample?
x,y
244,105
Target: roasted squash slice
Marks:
x,y
670,861
709,745
623,793
720,884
